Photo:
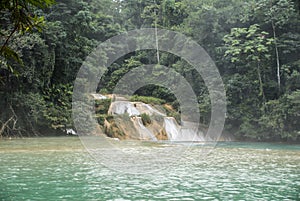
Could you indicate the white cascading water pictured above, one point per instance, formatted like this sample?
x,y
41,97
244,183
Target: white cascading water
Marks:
x,y
122,107
187,132
145,133
153,110
172,128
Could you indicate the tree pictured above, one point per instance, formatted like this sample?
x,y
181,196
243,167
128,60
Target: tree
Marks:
x,y
17,16
249,45
278,14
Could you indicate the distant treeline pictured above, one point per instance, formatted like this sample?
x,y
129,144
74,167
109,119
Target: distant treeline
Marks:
x,y
254,43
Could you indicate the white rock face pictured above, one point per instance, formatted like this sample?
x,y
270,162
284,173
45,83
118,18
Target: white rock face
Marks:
x,y
123,107
98,96
188,131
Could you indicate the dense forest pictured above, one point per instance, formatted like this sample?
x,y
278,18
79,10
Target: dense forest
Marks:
x,y
255,45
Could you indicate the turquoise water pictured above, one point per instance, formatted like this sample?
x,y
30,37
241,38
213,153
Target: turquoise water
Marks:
x,y
61,169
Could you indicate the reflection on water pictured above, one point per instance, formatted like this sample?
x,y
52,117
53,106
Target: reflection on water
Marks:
x,y
61,169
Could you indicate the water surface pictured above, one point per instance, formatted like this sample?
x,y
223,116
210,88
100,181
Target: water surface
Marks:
x,y
61,169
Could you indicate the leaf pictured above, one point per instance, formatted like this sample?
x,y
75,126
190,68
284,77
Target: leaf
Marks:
x,y
41,3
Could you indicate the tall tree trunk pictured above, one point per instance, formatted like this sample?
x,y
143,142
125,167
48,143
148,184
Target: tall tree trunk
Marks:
x,y
261,88
156,40
277,55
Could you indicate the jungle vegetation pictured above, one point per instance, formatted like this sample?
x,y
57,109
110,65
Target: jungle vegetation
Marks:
x,y
255,45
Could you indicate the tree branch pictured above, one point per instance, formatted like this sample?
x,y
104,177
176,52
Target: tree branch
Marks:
x,y
5,125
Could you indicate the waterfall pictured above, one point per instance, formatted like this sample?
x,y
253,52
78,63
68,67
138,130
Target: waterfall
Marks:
x,y
187,132
145,133
132,108
148,109
122,107
172,128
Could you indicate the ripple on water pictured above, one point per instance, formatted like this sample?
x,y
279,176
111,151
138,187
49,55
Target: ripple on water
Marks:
x,y
236,172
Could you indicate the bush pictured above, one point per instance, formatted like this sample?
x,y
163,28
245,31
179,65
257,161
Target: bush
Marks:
x,y
172,113
102,106
147,99
146,119
101,118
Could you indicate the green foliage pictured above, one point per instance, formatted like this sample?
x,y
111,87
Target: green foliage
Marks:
x,y
279,122
58,108
170,112
34,104
147,99
146,119
204,108
247,44
102,106
101,119
263,114
18,16
101,110
255,45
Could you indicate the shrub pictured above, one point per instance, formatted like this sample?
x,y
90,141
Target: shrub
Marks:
x,y
147,99
146,119
102,106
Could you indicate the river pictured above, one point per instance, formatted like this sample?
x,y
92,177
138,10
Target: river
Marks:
x,y
60,168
